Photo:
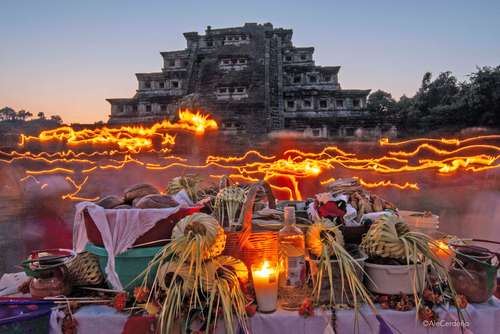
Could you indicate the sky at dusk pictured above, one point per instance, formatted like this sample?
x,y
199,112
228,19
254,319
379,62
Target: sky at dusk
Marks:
x,y
65,57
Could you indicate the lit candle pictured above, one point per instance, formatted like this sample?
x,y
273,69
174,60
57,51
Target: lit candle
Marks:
x,y
265,283
443,253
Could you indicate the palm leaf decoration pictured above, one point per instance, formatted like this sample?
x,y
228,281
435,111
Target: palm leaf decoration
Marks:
x,y
390,237
325,241
192,276
189,183
228,204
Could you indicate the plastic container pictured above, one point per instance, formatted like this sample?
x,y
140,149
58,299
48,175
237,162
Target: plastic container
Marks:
x,y
419,221
394,279
161,231
24,317
128,265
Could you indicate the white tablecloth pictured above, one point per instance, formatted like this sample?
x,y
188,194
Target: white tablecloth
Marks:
x,y
481,318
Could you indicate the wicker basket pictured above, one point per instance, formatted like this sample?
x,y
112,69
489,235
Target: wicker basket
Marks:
x,y
84,270
249,246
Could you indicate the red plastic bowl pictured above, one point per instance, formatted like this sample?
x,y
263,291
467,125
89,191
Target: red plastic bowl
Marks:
x,y
162,230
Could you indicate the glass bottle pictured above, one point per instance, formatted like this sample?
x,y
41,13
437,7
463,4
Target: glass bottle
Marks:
x,y
292,249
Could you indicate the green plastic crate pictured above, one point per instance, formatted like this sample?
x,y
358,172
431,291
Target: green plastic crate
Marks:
x,y
128,265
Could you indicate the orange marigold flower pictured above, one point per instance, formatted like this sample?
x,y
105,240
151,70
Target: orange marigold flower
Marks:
x,y
120,301
461,301
141,294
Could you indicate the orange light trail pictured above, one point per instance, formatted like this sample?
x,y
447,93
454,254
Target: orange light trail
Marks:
x,y
293,167
72,196
56,170
436,150
134,139
383,183
247,154
450,141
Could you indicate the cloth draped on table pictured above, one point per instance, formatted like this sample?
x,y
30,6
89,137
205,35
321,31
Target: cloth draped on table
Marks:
x,y
87,319
120,228
479,318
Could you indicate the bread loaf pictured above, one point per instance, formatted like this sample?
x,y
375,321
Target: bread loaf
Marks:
x,y
155,201
123,206
139,190
111,201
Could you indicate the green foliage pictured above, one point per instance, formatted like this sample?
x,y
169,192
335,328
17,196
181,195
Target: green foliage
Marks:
x,y
446,102
380,102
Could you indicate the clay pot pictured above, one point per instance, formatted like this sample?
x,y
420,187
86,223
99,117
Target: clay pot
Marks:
x,y
476,278
50,283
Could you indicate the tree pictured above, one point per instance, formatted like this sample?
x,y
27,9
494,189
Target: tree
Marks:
x,y
380,102
41,115
442,91
482,96
23,114
8,114
56,118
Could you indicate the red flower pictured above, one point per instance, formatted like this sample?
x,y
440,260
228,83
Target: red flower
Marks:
x,y
120,301
69,325
141,294
331,210
307,308
251,309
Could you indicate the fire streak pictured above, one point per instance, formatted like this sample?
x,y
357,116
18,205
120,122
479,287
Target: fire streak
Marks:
x,y
450,141
383,183
133,139
72,196
286,172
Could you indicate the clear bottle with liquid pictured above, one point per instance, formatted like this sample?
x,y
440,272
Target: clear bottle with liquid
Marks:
x,y
292,248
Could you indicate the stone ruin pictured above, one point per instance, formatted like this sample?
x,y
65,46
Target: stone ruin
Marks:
x,y
252,80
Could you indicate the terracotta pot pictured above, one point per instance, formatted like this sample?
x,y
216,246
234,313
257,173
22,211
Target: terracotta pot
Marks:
x,y
50,283
476,279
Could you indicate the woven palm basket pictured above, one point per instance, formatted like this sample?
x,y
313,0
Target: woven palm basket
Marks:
x,y
84,270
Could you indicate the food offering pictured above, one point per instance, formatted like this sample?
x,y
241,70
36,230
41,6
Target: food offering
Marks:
x,y
406,263
232,250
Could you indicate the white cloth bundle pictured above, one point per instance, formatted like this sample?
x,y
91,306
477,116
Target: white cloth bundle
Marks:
x,y
119,228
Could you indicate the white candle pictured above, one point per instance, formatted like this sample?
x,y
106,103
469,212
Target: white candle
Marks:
x,y
265,283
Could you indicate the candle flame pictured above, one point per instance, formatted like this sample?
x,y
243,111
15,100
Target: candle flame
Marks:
x,y
265,270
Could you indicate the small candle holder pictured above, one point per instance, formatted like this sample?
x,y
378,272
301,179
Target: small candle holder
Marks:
x,y
265,283
443,252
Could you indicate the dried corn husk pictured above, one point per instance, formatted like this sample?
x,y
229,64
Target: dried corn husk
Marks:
x,y
190,183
